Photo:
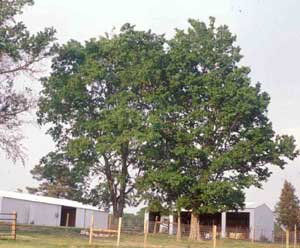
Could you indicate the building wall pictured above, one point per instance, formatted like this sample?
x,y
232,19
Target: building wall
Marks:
x,y
45,214
80,217
264,223
29,212
100,219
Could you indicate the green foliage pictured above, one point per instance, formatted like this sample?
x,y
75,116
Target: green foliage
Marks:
x,y
98,102
15,40
211,136
58,178
99,195
288,209
178,119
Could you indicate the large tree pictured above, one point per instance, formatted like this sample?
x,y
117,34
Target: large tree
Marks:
x,y
20,53
211,135
181,116
288,209
98,99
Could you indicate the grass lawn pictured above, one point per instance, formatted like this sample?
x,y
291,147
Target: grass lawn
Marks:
x,y
59,237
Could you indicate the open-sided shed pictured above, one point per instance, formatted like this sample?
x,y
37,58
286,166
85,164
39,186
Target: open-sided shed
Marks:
x,y
255,221
49,211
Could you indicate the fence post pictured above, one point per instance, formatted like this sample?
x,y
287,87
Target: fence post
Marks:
x,y
67,220
91,230
146,229
295,236
14,226
214,236
155,224
178,236
253,235
145,226
119,231
287,239
109,221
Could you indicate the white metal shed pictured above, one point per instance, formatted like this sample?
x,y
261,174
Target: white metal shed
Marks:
x,y
49,211
261,221
256,220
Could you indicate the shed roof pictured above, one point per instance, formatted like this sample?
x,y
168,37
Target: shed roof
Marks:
x,y
248,205
46,199
252,205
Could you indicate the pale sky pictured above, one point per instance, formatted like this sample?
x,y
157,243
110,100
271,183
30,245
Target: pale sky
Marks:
x,y
268,31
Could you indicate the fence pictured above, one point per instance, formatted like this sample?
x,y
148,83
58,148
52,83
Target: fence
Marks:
x,y
138,235
290,238
154,234
164,234
8,225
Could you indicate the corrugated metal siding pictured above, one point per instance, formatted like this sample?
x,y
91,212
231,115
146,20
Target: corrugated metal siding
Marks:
x,y
100,219
33,212
45,214
37,213
87,219
264,222
80,215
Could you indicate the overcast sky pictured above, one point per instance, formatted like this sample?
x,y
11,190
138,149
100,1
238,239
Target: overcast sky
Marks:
x,y
268,31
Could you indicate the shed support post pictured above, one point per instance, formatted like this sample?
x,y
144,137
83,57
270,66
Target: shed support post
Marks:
x,y
178,233
146,218
171,224
223,225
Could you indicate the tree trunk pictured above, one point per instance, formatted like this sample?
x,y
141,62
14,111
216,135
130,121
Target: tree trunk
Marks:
x,y
117,213
195,227
117,196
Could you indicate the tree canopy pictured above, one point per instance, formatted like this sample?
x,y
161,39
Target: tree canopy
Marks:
x,y
212,137
97,100
20,53
59,178
178,119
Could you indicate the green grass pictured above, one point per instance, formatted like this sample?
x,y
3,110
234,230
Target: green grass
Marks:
x,y
59,237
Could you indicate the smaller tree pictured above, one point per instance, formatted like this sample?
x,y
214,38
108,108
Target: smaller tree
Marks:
x,y
58,178
288,208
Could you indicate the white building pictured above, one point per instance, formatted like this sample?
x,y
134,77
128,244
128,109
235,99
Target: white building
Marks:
x,y
255,221
258,219
48,211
